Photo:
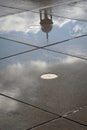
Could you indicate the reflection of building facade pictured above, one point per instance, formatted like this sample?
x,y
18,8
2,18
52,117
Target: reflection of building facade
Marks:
x,y
46,21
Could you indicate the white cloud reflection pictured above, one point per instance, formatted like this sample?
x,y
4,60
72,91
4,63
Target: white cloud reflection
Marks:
x,y
26,22
77,12
21,74
15,79
19,77
79,29
30,23
28,71
22,22
8,105
61,22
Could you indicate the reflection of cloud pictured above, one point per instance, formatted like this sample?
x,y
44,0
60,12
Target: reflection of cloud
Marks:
x,y
76,11
39,64
17,78
29,22
60,59
25,22
70,60
79,29
61,22
26,73
6,105
21,75
21,23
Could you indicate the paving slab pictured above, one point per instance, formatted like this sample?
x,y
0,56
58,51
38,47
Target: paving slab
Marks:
x,y
20,4
18,116
8,11
61,124
76,47
79,115
20,77
8,48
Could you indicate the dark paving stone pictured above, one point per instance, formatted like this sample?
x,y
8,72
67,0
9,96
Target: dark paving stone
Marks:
x,y
79,115
31,4
76,47
6,11
8,48
17,116
27,27
20,78
61,124
82,4
21,4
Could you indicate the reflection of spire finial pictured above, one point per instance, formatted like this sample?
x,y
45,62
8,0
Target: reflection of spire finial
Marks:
x,y
46,21
47,35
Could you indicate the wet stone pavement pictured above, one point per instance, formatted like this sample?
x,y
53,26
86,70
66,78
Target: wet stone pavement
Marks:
x,y
43,65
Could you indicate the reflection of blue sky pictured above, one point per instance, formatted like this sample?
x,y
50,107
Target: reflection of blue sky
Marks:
x,y
9,48
39,57
76,47
25,27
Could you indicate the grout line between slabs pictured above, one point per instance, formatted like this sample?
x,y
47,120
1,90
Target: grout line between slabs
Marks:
x,y
55,5
49,50
20,53
43,7
84,35
28,104
18,9
48,122
14,8
11,14
82,20
28,44
13,55
58,116
31,10
44,123
43,47
24,43
75,121
82,58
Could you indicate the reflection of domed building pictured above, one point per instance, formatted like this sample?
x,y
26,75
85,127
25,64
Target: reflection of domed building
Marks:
x,y
46,21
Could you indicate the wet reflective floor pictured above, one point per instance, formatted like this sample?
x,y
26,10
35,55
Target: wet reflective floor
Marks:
x,y
43,65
